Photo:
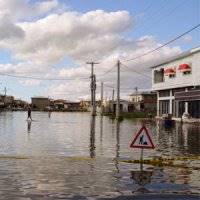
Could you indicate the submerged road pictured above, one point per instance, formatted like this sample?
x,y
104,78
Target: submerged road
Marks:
x,y
72,156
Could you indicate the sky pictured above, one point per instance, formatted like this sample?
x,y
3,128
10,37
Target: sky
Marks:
x,y
53,39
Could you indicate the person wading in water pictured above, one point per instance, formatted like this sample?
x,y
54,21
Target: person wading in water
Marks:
x,y
29,113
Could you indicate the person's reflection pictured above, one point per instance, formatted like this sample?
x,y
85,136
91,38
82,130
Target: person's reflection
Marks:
x,y
117,144
29,126
92,137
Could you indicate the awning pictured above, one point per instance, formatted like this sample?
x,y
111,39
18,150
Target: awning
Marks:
x,y
184,67
187,96
169,71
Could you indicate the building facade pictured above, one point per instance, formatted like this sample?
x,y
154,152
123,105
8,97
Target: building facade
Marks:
x,y
144,101
40,102
110,106
177,83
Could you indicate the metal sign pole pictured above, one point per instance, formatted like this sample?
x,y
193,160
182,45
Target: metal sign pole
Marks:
x,y
141,160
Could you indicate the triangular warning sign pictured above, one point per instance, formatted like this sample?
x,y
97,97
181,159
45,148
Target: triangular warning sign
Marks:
x,y
142,140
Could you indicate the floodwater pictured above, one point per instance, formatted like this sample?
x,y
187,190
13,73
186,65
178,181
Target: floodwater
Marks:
x,y
74,156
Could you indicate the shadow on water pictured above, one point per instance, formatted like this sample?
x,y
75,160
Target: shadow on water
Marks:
x,y
117,144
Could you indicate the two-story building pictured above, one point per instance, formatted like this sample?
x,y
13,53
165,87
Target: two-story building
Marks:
x,y
177,83
40,103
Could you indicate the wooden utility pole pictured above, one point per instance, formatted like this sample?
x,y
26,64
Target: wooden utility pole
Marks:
x,y
93,88
136,93
113,95
101,97
5,91
113,100
118,91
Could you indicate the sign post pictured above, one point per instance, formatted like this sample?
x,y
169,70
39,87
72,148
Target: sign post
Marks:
x,y
141,160
142,140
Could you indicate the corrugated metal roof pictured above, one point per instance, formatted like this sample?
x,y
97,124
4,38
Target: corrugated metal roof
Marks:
x,y
179,56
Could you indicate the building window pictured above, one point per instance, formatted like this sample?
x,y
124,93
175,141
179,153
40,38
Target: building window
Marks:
x,y
164,107
172,75
164,93
159,76
186,72
194,109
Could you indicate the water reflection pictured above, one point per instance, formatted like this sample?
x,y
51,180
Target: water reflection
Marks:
x,y
92,136
101,128
141,178
117,139
117,145
182,139
29,126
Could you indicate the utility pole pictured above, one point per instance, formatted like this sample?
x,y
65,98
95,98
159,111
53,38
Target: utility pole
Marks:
x,y
113,99
101,97
5,91
113,95
94,95
136,92
93,88
118,91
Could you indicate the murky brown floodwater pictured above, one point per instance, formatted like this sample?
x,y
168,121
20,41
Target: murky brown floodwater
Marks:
x,y
69,155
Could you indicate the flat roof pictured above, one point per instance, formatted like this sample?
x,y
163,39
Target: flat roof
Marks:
x,y
39,97
143,93
177,57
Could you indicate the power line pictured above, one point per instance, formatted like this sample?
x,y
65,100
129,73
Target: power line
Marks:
x,y
169,13
108,71
135,71
155,13
165,44
42,79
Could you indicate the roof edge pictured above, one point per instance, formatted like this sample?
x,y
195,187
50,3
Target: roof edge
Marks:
x,y
177,57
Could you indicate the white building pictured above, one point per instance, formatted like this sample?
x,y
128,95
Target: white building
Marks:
x,y
177,82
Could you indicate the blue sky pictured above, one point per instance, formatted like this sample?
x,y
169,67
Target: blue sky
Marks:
x,y
160,19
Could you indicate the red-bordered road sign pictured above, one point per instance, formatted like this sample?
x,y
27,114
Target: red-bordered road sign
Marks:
x,y
142,140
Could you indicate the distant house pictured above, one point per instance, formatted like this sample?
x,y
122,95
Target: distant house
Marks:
x,y
6,101
59,104
40,102
85,105
73,106
18,103
125,106
144,101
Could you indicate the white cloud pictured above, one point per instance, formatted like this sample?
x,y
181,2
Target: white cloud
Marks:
x,y
9,30
80,36
21,9
187,38
30,82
